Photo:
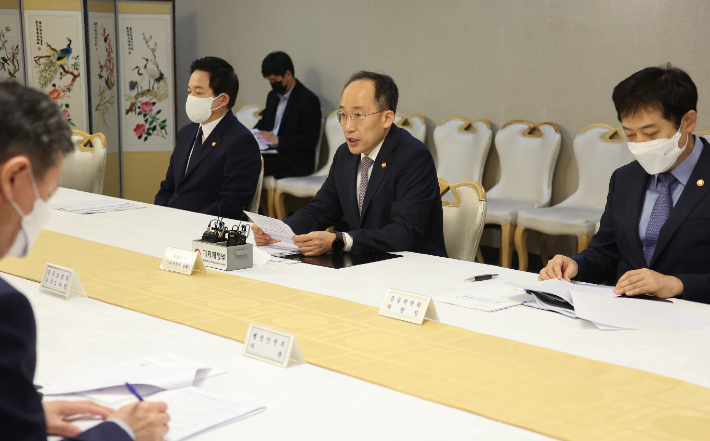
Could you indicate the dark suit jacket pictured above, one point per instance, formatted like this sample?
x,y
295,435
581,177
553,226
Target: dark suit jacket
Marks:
x,y
402,207
222,176
21,413
299,131
683,248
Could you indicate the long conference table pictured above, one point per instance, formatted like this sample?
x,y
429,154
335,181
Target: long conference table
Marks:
x,y
307,402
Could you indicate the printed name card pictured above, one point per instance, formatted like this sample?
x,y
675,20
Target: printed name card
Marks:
x,y
182,261
408,307
61,281
272,346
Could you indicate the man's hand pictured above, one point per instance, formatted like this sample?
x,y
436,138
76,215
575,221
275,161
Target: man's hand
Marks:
x,y
56,411
148,420
646,281
314,243
267,137
559,267
260,237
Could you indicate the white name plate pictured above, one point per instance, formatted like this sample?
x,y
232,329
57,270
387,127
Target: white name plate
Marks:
x,y
61,281
409,307
272,346
182,261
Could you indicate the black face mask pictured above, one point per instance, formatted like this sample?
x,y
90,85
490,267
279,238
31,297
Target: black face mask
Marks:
x,y
278,87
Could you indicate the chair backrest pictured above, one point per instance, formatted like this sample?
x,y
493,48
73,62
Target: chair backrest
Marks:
x,y
464,218
528,153
254,205
85,168
462,148
705,134
414,124
336,137
320,140
249,115
600,149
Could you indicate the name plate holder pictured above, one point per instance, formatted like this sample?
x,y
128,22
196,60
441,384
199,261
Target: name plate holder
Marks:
x,y
182,261
409,307
60,281
272,346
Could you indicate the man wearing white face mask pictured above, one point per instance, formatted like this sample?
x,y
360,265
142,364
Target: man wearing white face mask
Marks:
x,y
33,140
216,163
654,235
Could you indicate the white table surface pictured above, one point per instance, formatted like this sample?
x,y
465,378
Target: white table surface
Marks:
x,y
304,401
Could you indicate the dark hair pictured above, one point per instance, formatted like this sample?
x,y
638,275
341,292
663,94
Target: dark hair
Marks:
x,y
277,63
386,92
222,77
32,125
665,88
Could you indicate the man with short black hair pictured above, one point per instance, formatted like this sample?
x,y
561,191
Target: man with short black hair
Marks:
x,y
382,179
654,236
34,138
291,122
215,166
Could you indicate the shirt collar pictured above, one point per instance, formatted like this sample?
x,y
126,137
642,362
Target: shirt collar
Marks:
x,y
287,94
207,128
685,168
373,153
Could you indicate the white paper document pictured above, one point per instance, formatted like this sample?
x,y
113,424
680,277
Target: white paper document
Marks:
x,y
486,296
97,206
275,228
280,249
563,289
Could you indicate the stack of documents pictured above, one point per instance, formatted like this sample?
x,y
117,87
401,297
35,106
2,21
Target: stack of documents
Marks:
x,y
98,206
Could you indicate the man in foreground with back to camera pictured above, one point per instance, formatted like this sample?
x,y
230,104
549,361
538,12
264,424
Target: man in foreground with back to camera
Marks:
x,y
34,138
654,236
382,179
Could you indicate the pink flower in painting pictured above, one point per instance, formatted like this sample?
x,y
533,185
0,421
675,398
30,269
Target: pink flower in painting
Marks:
x,y
66,114
54,94
139,130
146,107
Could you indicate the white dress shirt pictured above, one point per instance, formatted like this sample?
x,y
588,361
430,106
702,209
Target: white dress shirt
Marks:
x,y
206,131
283,100
373,156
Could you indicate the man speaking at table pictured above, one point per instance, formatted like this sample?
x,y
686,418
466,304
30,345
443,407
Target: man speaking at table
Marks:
x,y
382,179
33,140
654,236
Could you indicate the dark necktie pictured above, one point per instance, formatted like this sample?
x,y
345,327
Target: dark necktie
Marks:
x,y
365,167
661,210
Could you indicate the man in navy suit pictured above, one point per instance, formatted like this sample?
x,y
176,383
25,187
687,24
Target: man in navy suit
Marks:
x,y
382,179
34,138
215,166
654,236
291,120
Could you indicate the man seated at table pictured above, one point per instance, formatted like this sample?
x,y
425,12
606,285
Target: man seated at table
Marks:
x,y
382,179
215,166
291,120
34,138
654,236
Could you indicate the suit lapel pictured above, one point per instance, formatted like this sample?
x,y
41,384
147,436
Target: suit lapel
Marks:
x,y
184,153
212,142
382,165
635,191
691,196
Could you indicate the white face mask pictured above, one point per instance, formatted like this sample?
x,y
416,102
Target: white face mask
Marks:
x,y
32,223
199,110
657,155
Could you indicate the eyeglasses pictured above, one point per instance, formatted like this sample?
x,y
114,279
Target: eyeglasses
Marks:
x,y
356,118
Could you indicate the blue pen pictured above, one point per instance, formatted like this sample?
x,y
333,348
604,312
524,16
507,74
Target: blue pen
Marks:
x,y
133,390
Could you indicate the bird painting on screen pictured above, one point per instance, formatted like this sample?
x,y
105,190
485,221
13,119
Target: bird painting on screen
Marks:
x,y
50,66
137,84
152,72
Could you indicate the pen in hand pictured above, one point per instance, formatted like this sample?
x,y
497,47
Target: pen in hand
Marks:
x,y
133,390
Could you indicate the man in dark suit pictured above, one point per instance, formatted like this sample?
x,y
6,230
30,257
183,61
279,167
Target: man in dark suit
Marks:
x,y
291,120
382,179
35,136
654,236
215,166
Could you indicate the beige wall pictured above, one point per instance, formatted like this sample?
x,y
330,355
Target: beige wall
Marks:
x,y
551,60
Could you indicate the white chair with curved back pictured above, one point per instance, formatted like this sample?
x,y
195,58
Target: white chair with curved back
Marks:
x,y
249,115
462,147
85,168
254,204
464,218
308,186
414,124
600,149
528,153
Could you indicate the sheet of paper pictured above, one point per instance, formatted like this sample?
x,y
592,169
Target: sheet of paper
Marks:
x,y
280,249
275,228
97,206
473,301
562,288
262,145
630,313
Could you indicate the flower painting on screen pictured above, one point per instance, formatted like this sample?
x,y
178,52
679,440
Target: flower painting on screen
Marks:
x,y
11,66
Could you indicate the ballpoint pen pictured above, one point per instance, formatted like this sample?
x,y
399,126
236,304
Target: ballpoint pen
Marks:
x,y
481,277
133,390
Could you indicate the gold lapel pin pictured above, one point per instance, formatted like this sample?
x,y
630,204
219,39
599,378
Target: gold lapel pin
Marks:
x,y
384,164
214,144
700,182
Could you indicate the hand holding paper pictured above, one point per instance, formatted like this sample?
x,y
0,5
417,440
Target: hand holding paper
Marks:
x,y
276,229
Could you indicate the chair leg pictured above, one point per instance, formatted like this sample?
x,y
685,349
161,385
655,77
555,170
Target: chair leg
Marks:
x,y
583,242
542,239
280,205
521,246
507,243
272,209
479,255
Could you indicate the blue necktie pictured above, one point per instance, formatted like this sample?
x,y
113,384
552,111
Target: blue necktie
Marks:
x,y
661,210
